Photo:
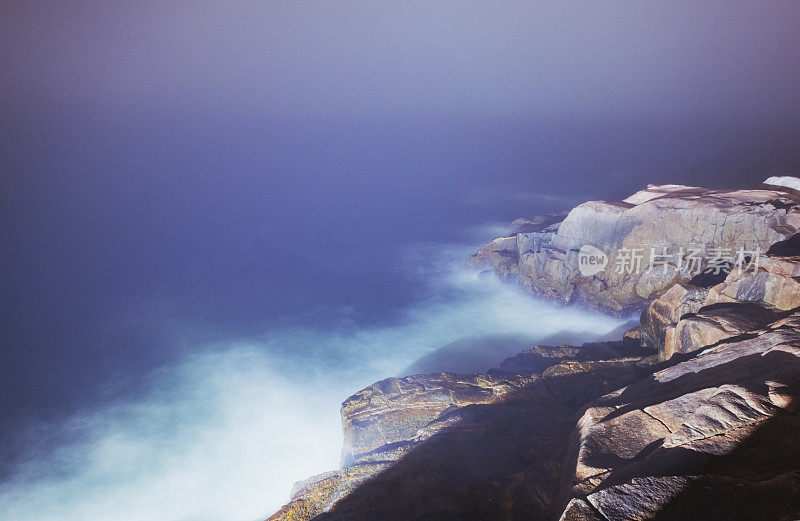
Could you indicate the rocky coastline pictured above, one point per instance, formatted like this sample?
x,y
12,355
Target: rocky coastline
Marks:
x,y
691,415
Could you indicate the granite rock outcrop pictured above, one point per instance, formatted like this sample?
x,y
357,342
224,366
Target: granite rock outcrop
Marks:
x,y
650,229
695,414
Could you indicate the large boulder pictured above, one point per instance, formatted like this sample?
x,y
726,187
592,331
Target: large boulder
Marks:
x,y
647,240
784,183
687,317
495,461
709,434
390,419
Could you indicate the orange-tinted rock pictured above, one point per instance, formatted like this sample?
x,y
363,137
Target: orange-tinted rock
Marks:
x,y
774,283
713,324
665,311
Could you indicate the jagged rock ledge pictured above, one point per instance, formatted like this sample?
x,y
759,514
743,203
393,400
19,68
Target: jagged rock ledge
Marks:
x,y
693,415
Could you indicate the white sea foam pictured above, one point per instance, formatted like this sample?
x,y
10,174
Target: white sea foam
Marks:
x,y
224,433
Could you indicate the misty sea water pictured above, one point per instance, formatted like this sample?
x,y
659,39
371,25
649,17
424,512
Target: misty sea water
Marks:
x,y
228,426
193,299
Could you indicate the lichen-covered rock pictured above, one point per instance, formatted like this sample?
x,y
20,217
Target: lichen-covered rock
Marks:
x,y
389,419
317,494
597,377
491,460
537,359
712,434
398,419
394,409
